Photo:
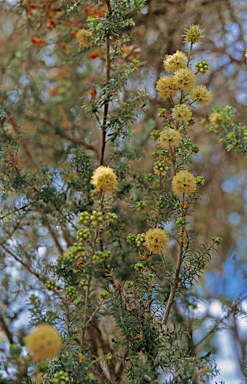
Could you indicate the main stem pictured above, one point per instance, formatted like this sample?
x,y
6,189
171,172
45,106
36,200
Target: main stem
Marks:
x,y
176,278
106,107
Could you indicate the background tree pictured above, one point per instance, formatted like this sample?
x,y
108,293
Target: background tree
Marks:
x,y
42,107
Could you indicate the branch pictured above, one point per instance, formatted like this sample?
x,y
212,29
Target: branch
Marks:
x,y
21,262
6,330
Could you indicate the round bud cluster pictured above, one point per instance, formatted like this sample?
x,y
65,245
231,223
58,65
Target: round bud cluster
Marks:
x,y
155,135
131,238
162,112
245,135
140,239
202,67
83,235
112,217
149,178
128,284
77,249
181,222
96,259
161,204
109,356
83,283
140,206
194,148
160,167
138,266
191,122
155,154
50,285
217,240
200,180
104,295
60,377
96,217
83,218
70,291
105,254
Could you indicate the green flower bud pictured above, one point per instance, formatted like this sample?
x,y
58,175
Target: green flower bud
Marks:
x,y
217,240
128,284
200,180
160,167
140,239
194,148
140,206
138,266
155,135
131,238
162,112
202,67
181,222
149,178
109,356
191,121
50,285
155,154
70,291
104,295
112,217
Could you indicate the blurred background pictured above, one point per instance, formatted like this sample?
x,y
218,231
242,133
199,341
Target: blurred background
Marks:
x,y
43,82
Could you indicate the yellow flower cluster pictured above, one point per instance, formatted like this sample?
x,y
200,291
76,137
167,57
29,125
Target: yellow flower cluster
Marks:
x,y
104,179
169,138
181,112
193,34
166,87
156,239
44,343
183,182
246,54
185,78
83,37
201,95
175,61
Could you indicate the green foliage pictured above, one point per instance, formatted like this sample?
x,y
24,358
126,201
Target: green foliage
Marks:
x,y
96,277
233,135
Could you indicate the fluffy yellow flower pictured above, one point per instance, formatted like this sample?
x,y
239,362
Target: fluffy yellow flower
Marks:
x,y
183,182
193,34
201,95
156,239
170,137
246,54
104,179
181,112
175,61
185,78
166,87
83,36
44,343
